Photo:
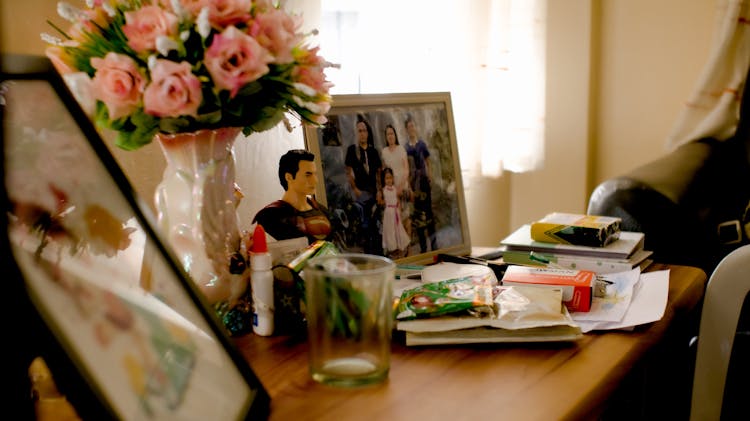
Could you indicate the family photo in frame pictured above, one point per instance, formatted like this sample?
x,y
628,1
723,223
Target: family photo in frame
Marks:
x,y
390,177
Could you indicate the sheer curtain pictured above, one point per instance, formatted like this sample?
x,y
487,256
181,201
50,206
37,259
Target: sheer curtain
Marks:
x,y
514,97
713,107
489,54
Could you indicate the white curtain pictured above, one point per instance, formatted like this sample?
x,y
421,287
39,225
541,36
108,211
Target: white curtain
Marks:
x,y
713,107
514,98
489,54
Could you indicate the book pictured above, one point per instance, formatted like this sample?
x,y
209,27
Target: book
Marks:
x,y
577,285
622,248
600,265
577,229
560,333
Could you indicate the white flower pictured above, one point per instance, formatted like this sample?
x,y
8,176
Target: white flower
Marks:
x,y
305,89
177,9
69,12
204,26
165,44
109,10
313,107
151,62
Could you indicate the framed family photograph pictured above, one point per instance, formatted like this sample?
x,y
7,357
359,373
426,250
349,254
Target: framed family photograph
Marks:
x,y
389,174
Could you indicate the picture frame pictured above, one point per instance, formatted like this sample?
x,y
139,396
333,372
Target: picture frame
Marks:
x,y
429,199
102,299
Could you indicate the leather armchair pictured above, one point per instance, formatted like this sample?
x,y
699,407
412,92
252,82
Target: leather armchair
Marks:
x,y
690,203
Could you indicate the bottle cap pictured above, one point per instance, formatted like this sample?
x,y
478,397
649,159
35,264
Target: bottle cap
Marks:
x,y
260,258
259,240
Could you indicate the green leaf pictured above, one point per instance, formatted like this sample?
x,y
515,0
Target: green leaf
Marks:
x,y
173,125
131,141
271,119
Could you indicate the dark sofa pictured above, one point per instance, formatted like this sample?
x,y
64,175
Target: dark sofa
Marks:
x,y
690,203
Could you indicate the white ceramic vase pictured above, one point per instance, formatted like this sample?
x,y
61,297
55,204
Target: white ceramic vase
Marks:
x,y
196,204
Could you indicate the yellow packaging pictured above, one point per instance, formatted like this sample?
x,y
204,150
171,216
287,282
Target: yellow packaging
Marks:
x,y
576,229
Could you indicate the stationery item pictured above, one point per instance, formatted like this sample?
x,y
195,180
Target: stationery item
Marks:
x,y
647,305
261,284
576,229
600,265
577,285
349,309
497,268
622,248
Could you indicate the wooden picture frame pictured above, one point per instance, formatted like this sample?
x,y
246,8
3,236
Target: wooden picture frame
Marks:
x,y
429,203
77,238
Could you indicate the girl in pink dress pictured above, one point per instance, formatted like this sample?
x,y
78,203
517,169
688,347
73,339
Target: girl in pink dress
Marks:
x,y
395,239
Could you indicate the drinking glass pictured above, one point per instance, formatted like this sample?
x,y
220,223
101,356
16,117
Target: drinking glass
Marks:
x,y
349,309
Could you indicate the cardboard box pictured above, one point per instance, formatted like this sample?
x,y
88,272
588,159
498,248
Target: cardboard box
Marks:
x,y
576,229
577,285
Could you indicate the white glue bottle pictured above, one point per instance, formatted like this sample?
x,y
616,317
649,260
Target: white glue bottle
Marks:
x,y
261,283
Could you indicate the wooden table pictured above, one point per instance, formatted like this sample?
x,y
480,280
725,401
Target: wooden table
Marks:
x,y
490,381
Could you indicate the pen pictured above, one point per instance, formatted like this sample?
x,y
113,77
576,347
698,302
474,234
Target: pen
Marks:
x,y
498,268
543,260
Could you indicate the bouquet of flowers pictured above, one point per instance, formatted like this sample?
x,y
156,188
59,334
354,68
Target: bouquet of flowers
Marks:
x,y
160,66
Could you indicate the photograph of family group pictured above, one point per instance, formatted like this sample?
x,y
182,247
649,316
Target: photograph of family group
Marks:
x,y
390,176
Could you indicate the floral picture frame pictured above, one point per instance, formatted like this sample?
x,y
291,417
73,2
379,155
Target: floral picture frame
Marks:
x,y
126,336
429,200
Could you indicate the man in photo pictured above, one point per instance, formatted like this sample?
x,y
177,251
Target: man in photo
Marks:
x,y
363,167
423,219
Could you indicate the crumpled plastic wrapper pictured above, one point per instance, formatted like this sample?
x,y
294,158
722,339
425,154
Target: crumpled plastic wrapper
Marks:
x,y
512,308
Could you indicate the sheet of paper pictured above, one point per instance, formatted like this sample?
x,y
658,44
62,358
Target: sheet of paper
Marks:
x,y
613,306
648,304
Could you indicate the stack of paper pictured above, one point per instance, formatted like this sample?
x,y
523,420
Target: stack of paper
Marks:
x,y
515,314
623,254
633,298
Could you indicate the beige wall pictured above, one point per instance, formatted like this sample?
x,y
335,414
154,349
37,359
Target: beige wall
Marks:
x,y
618,73
651,56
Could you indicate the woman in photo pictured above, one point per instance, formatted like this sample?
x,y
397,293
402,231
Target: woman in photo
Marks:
x,y
394,157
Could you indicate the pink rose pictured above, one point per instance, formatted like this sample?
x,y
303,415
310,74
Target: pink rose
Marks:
x,y
235,59
117,83
313,77
221,13
277,32
145,25
310,70
174,90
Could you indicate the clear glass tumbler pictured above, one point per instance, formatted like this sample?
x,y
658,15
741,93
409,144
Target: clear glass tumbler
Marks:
x,y
349,310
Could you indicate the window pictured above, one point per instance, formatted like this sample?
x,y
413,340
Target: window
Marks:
x,y
489,54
